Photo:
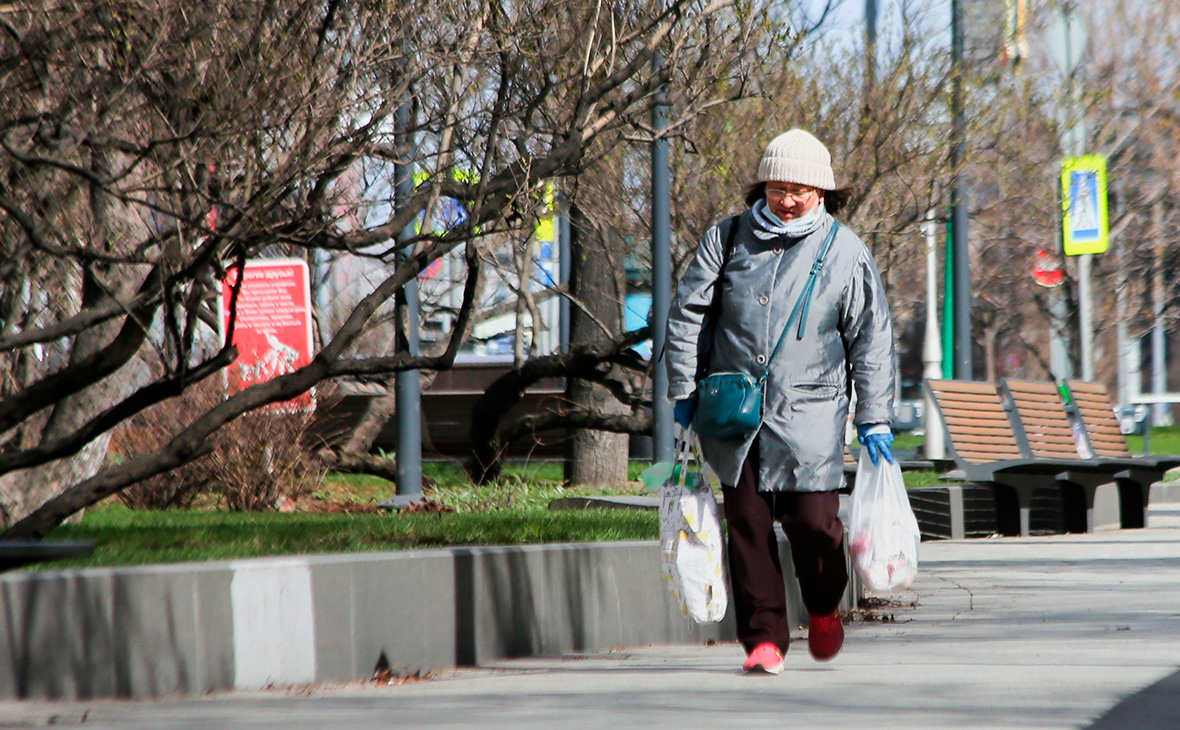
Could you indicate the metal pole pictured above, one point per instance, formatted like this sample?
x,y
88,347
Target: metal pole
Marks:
x,y
1059,360
964,369
1134,372
1077,146
871,22
948,304
663,426
564,252
934,446
1121,308
870,43
1085,317
321,277
1060,336
1161,412
407,388
962,268
1147,430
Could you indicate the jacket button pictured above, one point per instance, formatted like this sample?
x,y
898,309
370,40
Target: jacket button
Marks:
x,y
763,300
761,359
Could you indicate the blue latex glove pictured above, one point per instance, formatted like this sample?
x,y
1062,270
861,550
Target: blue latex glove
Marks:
x,y
876,440
684,410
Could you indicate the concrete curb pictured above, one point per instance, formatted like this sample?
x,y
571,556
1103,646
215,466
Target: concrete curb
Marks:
x,y
1164,492
188,629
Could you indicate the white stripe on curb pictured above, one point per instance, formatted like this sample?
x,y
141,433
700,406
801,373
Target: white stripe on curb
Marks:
x,y
274,626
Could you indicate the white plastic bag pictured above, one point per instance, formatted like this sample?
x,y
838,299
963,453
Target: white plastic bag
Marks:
x,y
691,546
883,534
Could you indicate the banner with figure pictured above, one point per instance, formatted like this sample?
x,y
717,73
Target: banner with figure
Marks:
x,y
272,329
1084,225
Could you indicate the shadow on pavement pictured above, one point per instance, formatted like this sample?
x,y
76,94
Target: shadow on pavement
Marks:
x,y
1154,708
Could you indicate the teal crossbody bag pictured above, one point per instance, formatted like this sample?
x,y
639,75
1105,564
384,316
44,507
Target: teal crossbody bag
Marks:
x,y
729,405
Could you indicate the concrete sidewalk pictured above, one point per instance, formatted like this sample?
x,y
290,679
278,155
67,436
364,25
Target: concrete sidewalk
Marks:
x,y
1067,631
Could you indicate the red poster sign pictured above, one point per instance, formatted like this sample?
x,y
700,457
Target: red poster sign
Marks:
x,y
273,325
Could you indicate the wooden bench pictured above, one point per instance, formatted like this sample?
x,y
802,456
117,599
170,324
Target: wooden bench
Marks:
x,y
1091,412
986,450
1045,429
446,418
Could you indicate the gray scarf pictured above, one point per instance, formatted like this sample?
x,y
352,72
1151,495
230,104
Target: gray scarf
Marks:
x,y
767,225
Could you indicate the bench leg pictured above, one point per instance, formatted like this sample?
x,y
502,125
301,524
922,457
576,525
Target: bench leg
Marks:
x,y
1133,498
1078,491
958,519
1013,507
1077,502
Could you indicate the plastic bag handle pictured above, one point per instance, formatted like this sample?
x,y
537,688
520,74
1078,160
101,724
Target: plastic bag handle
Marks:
x,y
683,452
696,445
699,451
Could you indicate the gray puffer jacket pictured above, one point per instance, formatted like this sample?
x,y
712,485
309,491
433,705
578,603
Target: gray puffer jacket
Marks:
x,y
848,341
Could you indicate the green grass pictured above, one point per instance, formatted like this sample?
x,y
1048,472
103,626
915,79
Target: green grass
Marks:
x,y
1164,440
907,441
926,478
513,511
125,537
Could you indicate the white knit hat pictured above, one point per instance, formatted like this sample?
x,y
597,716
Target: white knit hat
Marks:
x,y
797,157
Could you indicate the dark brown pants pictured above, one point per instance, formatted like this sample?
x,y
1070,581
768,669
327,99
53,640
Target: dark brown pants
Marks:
x,y
813,528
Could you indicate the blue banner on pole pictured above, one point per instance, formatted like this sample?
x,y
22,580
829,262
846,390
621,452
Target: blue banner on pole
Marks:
x,y
1084,223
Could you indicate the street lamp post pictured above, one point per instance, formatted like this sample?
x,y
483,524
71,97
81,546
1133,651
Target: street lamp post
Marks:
x,y
934,446
407,387
663,425
961,257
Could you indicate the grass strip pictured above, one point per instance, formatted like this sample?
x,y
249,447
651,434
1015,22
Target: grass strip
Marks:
x,y
125,537
510,512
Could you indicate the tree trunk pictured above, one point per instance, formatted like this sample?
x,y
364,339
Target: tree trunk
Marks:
x,y
595,457
990,336
24,490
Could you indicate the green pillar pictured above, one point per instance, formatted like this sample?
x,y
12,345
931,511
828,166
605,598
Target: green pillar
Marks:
x,y
948,305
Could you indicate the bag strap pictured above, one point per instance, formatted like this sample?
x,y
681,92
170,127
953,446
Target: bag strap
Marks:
x,y
803,303
715,304
815,269
714,311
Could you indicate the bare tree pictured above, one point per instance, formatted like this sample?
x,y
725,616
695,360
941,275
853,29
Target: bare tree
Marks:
x,y
887,138
1018,131
148,147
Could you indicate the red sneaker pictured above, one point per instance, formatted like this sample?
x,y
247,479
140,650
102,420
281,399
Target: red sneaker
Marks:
x,y
765,658
825,636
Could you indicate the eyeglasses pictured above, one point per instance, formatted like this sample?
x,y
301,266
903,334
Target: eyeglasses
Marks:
x,y
797,194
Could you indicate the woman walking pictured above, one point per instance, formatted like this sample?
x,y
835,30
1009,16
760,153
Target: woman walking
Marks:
x,y
733,304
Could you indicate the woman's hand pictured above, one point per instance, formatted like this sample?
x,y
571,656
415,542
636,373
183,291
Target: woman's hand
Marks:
x,y
684,410
877,438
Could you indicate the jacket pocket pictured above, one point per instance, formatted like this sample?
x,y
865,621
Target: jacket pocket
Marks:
x,y
815,431
804,393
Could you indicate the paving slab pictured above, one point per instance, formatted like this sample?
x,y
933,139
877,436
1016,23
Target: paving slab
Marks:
x,y
1065,631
